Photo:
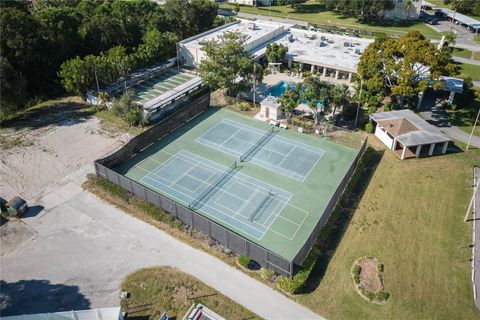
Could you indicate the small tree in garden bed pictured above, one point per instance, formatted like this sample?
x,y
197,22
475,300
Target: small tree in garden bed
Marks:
x,y
367,274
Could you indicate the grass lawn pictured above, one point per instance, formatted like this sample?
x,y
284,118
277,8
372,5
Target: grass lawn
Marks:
x,y
470,70
476,55
464,119
163,289
412,220
311,12
462,53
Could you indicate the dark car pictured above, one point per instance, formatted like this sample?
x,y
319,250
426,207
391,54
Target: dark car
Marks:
x,y
432,21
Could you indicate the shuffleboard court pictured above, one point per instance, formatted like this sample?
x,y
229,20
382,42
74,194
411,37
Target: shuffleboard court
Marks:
x,y
156,86
240,201
279,154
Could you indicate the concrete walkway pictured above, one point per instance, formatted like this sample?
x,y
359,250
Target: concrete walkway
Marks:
x,y
466,61
476,242
82,248
437,117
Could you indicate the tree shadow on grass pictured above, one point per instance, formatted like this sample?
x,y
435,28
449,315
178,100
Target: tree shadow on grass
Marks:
x,y
60,113
39,296
331,235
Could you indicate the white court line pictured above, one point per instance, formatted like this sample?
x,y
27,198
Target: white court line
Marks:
x,y
268,165
253,194
286,201
189,160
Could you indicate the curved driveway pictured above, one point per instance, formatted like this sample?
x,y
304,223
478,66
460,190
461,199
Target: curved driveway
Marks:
x,y
84,247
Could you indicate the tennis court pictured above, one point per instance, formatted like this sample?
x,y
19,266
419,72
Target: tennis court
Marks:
x,y
264,148
240,201
154,87
270,187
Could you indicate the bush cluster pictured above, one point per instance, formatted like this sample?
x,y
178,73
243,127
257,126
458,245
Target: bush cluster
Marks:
x,y
150,209
379,267
369,127
127,109
300,123
244,261
356,273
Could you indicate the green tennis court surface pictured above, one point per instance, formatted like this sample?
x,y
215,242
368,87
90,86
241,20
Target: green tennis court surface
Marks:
x,y
158,85
274,197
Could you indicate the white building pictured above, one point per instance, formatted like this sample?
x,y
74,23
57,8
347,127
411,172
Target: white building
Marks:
x,y
401,11
92,314
329,55
408,135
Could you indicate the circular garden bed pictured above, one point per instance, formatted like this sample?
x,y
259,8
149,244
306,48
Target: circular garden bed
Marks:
x,y
367,276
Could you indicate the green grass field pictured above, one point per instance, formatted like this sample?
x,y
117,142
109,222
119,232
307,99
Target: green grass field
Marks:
x,y
464,118
295,219
154,291
312,12
470,70
409,217
462,53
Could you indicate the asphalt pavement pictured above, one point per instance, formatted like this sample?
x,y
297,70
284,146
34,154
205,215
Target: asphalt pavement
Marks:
x,y
82,248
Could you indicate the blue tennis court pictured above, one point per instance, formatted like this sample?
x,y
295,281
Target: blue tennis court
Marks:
x,y
236,199
290,158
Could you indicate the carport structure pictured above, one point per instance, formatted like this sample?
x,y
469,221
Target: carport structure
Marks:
x,y
408,135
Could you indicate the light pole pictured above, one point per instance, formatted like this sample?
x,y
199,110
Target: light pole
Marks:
x,y
473,129
358,102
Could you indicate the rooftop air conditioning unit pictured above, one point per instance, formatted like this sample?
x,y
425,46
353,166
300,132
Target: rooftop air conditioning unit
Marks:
x,y
251,26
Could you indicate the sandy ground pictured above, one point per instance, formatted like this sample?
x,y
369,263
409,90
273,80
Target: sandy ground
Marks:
x,y
41,149
49,153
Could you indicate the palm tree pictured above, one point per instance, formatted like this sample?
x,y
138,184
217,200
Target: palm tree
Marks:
x,y
340,96
102,99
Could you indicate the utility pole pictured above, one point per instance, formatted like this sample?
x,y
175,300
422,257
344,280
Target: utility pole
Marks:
x,y
471,200
473,129
254,81
358,103
96,79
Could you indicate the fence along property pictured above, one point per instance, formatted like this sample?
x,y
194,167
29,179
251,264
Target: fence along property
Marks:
x,y
226,237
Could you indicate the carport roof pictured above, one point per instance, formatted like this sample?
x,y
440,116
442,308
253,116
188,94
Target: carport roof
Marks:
x,y
425,133
93,314
469,21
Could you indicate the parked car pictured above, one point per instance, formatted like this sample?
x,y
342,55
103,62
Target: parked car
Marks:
x,y
15,207
432,21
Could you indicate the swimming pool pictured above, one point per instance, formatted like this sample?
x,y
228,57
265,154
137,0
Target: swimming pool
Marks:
x,y
278,89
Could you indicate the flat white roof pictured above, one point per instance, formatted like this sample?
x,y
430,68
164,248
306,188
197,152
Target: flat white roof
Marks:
x,y
93,314
325,49
255,30
317,48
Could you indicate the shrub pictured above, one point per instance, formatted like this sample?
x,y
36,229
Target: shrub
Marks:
x,y
244,261
244,106
356,273
306,74
369,127
379,267
372,109
268,273
369,295
382,295
133,116
388,107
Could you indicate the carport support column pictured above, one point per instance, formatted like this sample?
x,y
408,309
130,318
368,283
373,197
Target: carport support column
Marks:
x,y
432,147
445,145
312,69
403,152
324,71
349,77
450,98
417,151
337,73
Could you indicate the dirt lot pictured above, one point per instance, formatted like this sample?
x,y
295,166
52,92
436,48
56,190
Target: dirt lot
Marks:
x,y
48,143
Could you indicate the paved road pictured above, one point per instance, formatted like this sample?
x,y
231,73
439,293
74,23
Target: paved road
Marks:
x,y
84,247
467,61
464,37
476,242
436,116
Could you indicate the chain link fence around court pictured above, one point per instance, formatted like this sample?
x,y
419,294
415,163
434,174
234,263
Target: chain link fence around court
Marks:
x,y
105,168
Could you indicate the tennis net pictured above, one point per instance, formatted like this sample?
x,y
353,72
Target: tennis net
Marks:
x,y
207,194
247,155
262,206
